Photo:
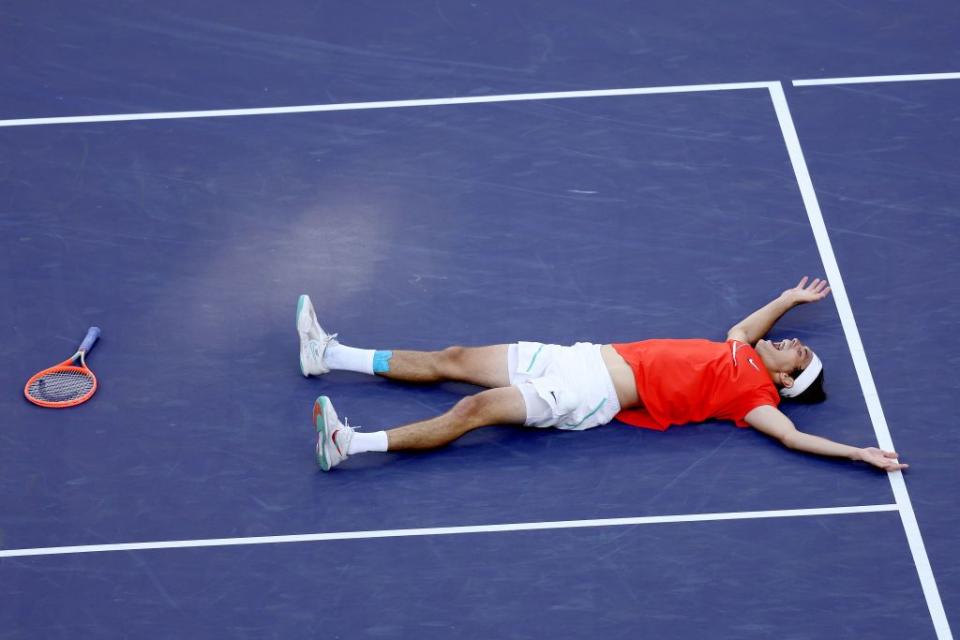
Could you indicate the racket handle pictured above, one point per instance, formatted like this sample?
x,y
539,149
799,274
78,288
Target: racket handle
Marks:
x,y
92,334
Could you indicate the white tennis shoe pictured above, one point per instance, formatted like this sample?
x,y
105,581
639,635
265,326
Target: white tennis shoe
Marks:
x,y
313,339
333,436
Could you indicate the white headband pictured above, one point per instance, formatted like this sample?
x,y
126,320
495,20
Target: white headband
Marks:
x,y
804,380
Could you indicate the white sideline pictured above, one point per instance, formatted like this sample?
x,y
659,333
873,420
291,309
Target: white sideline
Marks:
x,y
440,531
837,289
389,104
913,77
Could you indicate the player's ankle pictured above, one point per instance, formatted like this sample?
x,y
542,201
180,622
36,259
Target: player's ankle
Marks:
x,y
364,442
344,358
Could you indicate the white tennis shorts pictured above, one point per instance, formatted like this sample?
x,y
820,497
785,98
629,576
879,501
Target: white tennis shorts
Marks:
x,y
563,387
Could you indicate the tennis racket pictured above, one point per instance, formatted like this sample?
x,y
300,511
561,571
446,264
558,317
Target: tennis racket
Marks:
x,y
65,385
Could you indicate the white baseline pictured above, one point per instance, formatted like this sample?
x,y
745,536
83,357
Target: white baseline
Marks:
x,y
440,531
912,77
429,102
388,104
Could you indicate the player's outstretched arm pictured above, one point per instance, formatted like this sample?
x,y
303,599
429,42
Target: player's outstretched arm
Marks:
x,y
775,424
759,323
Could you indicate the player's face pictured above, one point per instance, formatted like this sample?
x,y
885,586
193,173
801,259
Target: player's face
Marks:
x,y
785,355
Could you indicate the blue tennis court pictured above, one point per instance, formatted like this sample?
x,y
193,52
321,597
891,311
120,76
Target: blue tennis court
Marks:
x,y
472,173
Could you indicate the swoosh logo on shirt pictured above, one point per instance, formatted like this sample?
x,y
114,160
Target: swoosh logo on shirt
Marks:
x,y
750,360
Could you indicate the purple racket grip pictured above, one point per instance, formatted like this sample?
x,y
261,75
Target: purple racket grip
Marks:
x,y
92,334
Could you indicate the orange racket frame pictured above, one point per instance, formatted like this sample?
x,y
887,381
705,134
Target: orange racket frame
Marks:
x,y
68,366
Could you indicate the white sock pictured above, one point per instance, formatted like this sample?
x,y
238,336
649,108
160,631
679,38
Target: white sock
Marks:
x,y
363,442
344,358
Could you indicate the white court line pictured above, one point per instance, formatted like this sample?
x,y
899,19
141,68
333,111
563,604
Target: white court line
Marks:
x,y
389,104
440,531
837,289
914,77
430,102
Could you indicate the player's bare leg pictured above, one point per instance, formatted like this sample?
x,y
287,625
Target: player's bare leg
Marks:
x,y
483,366
321,352
336,441
494,406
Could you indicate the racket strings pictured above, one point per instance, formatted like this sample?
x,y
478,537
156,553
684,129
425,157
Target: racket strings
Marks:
x,y
61,386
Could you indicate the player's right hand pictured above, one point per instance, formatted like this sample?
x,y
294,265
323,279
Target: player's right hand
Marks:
x,y
816,290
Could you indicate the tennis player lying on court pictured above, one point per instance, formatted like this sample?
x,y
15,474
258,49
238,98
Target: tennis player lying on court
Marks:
x,y
652,384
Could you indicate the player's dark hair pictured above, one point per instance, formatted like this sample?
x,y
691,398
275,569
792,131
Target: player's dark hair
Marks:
x,y
813,394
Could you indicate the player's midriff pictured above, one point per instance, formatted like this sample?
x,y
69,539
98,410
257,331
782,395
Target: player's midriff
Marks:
x,y
623,379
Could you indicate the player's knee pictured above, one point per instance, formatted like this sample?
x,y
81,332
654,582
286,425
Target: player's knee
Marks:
x,y
471,409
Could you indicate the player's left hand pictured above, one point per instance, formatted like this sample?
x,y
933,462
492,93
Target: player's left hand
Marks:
x,y
803,292
886,460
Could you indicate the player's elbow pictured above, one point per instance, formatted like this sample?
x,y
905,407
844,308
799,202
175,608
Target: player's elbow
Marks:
x,y
738,333
790,439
